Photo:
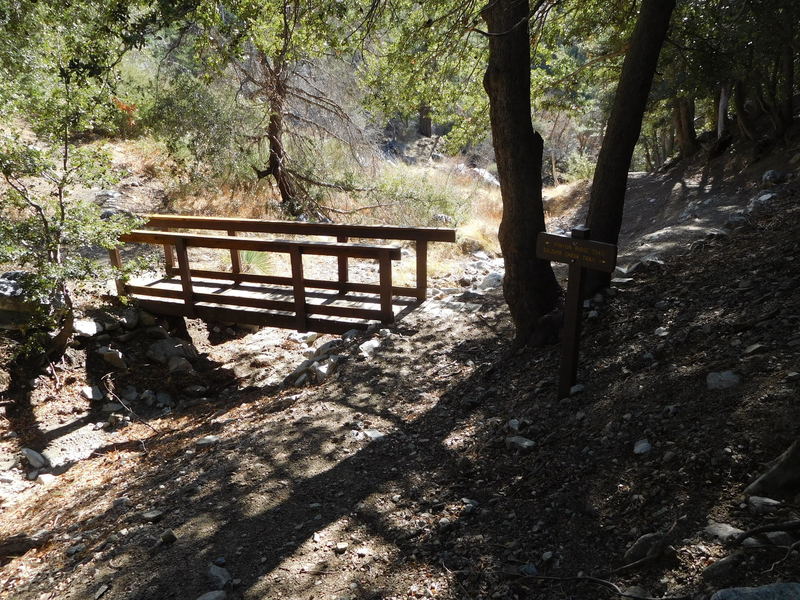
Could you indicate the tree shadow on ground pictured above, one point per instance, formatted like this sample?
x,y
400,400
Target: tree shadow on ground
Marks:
x,y
441,497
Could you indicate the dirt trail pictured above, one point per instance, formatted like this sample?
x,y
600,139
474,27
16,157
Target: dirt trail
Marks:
x,y
437,463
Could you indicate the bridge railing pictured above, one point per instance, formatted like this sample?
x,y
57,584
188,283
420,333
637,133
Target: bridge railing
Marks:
x,y
190,299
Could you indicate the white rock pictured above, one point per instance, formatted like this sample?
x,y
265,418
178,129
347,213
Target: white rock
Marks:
x,y
368,348
722,380
722,531
642,447
217,595
517,442
112,357
208,440
492,280
36,460
87,327
91,392
760,505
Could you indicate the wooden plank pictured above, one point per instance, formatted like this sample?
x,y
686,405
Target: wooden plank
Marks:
x,y
252,317
365,288
384,232
342,264
169,260
116,262
260,245
330,310
236,259
185,274
299,289
325,284
385,272
572,323
422,270
598,256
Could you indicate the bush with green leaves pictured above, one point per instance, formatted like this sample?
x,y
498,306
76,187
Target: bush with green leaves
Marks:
x,y
58,65
200,124
47,232
579,167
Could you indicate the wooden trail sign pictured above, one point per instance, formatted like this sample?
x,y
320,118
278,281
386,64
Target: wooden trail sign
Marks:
x,y
580,253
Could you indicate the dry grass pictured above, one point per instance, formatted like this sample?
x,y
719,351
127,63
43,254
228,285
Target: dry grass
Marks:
x,y
565,197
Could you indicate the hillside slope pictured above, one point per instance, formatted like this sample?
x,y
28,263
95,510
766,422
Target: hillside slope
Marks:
x,y
440,464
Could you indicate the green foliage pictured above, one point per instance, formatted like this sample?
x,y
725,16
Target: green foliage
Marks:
x,y
417,194
579,167
59,79
201,126
428,55
46,231
261,263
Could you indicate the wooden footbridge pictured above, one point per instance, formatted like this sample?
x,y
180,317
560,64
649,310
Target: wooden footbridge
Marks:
x,y
291,301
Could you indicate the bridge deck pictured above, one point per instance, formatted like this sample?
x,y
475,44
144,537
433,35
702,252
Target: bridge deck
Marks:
x,y
294,301
327,311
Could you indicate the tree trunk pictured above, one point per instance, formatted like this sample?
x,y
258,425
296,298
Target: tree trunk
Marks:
x,y
529,286
683,119
787,82
722,111
743,120
607,197
425,125
553,143
671,137
782,478
648,159
277,155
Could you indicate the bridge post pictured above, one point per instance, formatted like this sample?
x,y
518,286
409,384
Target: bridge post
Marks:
x,y
299,289
236,259
385,272
342,261
186,275
422,270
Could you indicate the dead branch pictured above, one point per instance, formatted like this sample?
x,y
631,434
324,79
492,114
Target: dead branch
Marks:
x,y
606,584
340,211
785,526
789,551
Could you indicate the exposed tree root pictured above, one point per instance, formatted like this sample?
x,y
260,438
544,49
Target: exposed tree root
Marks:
x,y
782,478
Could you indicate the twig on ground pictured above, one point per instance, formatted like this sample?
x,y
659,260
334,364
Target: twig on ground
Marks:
x,y
108,385
785,526
55,374
606,584
789,551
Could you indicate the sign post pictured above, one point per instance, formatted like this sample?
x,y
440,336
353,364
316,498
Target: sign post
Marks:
x,y
580,253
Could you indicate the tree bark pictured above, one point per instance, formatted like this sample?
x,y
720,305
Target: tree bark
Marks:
x,y
743,121
425,124
683,119
277,155
648,159
787,85
607,197
722,111
529,285
782,478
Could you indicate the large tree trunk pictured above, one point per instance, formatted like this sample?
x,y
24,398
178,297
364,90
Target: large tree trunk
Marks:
x,y
607,197
277,155
683,119
530,287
